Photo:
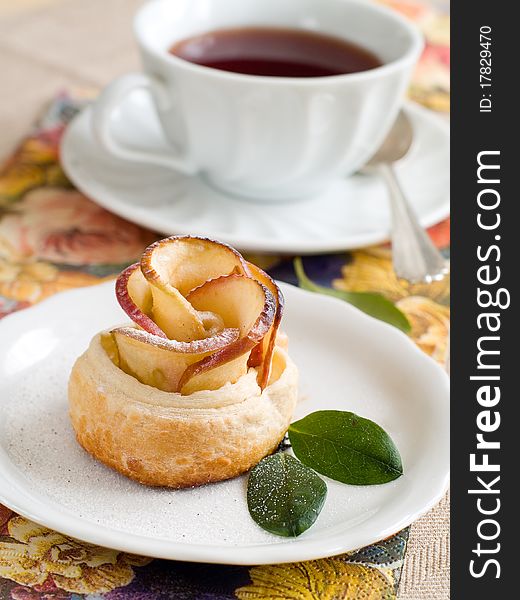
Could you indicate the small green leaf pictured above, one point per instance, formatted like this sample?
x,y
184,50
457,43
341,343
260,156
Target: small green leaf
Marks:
x,y
284,497
370,303
346,447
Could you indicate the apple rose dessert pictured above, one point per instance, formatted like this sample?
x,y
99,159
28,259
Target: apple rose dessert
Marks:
x,y
200,387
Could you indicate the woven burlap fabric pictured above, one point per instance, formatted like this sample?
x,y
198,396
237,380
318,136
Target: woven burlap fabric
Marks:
x,y
426,574
42,51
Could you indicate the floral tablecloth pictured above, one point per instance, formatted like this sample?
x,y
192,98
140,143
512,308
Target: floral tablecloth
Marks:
x,y
53,238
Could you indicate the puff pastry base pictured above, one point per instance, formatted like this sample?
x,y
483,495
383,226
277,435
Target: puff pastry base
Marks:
x,y
166,439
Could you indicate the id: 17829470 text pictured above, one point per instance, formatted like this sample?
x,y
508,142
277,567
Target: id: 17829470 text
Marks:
x,y
485,69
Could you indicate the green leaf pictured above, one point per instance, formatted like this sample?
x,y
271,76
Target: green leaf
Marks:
x,y
370,303
284,497
346,447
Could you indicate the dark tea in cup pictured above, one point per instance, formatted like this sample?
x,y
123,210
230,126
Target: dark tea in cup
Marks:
x,y
275,52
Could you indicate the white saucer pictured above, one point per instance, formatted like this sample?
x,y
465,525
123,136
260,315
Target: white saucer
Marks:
x,y
352,213
347,361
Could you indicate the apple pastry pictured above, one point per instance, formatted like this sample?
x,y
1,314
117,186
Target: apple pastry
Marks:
x,y
199,387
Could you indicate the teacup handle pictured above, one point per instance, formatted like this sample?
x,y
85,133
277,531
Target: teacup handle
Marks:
x,y
109,99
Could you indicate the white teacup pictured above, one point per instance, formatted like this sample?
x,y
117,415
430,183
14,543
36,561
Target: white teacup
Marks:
x,y
269,138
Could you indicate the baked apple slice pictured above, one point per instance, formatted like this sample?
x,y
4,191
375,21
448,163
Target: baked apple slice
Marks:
x,y
135,297
262,354
243,303
176,265
186,262
161,362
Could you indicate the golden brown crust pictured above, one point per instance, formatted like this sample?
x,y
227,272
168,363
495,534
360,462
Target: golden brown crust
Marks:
x,y
166,439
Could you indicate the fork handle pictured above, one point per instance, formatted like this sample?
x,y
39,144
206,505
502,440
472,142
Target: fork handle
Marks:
x,y
414,256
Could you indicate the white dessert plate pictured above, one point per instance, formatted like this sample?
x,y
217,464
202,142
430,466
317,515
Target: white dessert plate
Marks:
x,y
352,213
347,361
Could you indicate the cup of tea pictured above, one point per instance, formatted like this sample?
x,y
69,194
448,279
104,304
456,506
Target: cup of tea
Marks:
x,y
265,99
